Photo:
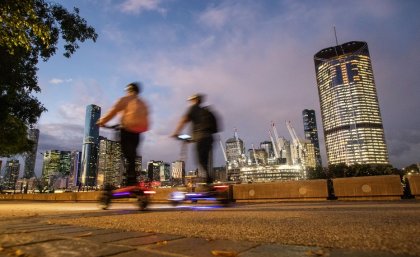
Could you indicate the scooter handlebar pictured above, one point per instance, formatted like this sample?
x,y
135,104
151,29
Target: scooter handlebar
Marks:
x,y
184,137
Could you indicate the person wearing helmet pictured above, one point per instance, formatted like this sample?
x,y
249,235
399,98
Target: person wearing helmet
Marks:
x,y
202,133
134,120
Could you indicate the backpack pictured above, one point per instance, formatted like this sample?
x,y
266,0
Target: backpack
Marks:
x,y
208,120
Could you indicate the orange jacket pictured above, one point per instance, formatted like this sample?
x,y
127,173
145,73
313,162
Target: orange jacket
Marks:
x,y
134,113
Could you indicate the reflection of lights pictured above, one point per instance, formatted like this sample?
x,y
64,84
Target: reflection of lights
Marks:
x,y
150,192
121,194
177,196
210,207
194,194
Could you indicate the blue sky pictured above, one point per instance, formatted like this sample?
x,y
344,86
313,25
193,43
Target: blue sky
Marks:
x,y
253,59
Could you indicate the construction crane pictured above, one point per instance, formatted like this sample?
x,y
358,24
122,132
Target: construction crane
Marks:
x,y
296,142
223,150
276,153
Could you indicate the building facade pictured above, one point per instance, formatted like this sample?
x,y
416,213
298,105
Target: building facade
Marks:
x,y
153,170
178,172
75,169
30,158
350,111
235,152
11,174
311,132
110,163
90,146
56,165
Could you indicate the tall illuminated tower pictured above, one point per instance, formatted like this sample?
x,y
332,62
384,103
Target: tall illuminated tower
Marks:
x,y
311,132
90,146
30,157
350,112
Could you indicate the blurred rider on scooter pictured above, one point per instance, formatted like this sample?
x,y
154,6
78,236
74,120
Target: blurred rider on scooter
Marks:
x,y
134,120
204,125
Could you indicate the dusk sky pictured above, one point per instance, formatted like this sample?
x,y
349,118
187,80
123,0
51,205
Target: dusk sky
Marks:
x,y
253,59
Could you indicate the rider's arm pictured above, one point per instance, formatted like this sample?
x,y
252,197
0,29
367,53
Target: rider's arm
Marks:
x,y
184,120
118,106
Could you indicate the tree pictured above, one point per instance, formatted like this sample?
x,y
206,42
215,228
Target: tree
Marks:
x,y
414,168
318,173
30,29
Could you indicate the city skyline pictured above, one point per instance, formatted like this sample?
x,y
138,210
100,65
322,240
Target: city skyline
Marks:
x,y
254,60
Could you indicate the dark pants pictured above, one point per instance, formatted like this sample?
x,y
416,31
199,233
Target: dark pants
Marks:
x,y
129,143
204,152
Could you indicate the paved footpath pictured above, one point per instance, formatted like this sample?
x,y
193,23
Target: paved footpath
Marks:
x,y
39,235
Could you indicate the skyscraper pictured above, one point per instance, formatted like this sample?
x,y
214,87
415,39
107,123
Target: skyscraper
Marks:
x,y
90,146
178,172
110,163
11,174
56,163
311,132
75,167
29,170
235,152
350,112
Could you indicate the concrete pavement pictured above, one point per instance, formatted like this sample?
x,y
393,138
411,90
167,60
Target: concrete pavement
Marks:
x,y
123,231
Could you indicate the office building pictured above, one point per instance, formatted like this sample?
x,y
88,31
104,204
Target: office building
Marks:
x,y
350,111
75,168
30,157
235,152
11,174
90,146
311,132
153,170
56,164
110,163
178,172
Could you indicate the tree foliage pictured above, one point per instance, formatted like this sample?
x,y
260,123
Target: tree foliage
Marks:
x,y
30,29
358,170
343,170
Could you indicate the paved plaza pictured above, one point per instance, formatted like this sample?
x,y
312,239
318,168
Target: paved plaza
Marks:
x,y
265,229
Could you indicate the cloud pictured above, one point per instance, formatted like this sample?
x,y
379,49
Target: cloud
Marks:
x,y
57,81
138,6
228,14
73,113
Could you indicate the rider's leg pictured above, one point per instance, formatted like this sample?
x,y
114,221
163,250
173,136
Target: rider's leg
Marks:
x,y
129,143
204,148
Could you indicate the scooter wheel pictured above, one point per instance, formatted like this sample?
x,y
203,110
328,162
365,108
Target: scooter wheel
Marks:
x,y
225,202
104,201
143,202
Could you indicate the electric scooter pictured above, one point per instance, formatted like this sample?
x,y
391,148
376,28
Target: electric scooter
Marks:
x,y
215,193
142,190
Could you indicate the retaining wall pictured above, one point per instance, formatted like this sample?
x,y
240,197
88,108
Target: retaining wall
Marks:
x,y
368,188
285,190
355,188
414,183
